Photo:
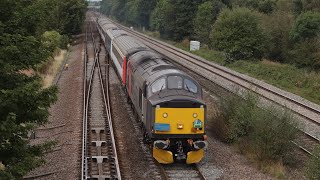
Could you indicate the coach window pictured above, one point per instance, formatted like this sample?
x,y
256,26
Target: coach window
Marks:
x,y
190,86
174,82
159,85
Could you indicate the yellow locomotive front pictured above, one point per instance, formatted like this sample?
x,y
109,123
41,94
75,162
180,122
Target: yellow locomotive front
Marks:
x,y
179,134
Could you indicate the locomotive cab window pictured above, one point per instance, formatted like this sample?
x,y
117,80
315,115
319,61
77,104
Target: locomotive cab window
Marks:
x,y
190,86
159,85
174,82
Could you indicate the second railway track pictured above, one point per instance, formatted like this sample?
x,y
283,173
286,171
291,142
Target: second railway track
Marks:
x,y
99,155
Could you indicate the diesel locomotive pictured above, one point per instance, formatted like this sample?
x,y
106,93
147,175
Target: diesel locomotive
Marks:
x,y
167,100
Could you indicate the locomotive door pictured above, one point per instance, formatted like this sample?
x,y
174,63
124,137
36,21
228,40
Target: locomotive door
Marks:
x,y
143,105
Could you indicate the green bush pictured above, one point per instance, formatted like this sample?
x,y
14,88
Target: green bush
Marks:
x,y
267,133
306,54
64,41
313,167
306,26
237,32
272,135
237,114
51,40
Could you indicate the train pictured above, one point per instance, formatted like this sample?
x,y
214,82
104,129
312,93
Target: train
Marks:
x,y
167,101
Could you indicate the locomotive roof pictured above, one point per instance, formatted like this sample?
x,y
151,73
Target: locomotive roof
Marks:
x,y
127,44
152,65
103,21
107,26
116,32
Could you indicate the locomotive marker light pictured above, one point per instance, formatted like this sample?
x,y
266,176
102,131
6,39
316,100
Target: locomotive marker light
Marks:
x,y
165,115
195,115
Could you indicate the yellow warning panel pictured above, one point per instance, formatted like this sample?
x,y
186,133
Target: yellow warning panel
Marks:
x,y
195,156
162,156
179,120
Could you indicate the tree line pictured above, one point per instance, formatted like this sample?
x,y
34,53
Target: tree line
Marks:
x,y
30,30
285,31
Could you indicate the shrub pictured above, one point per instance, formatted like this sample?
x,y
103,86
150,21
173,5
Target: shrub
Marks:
x,y
313,167
306,53
51,40
235,117
267,133
237,32
272,135
306,26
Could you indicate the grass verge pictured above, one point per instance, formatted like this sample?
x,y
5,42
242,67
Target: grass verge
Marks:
x,y
50,69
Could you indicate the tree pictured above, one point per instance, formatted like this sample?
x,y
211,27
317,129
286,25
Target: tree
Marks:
x,y
264,6
106,6
277,27
185,11
205,17
305,37
306,26
300,6
305,53
162,18
24,102
237,32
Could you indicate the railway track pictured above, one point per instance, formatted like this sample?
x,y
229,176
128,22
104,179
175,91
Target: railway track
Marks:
x,y
99,155
307,112
181,171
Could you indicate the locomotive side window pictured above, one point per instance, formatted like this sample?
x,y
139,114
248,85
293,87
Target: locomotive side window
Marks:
x,y
174,82
190,86
160,84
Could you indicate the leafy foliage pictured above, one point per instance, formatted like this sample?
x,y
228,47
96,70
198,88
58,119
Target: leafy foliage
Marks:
x,y
306,53
184,11
162,18
273,29
306,26
272,135
267,133
237,32
313,167
205,17
305,36
264,6
28,35
277,27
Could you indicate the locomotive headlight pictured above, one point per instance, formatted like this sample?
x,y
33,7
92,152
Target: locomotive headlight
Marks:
x,y
165,115
195,115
